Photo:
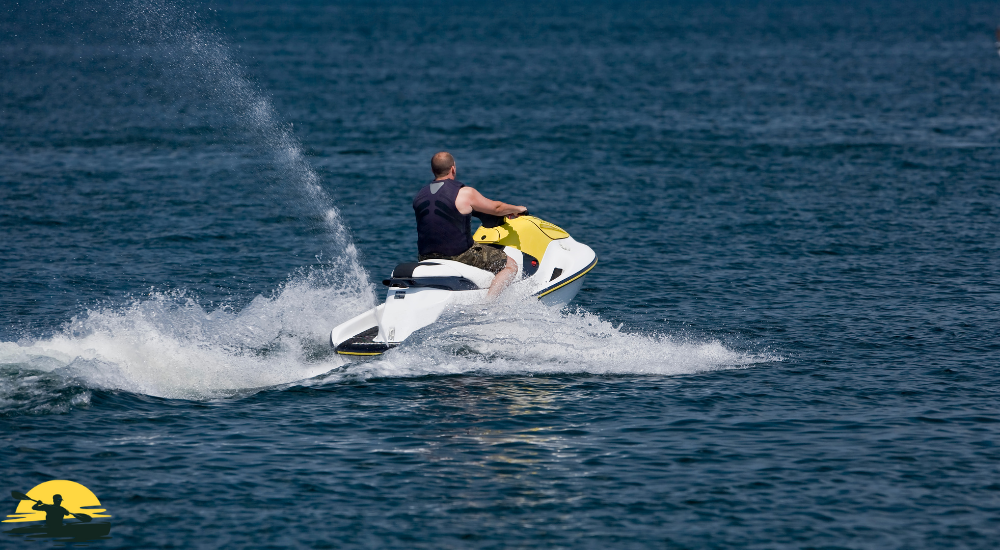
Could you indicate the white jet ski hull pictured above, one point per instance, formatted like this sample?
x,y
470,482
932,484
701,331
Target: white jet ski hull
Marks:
x,y
420,292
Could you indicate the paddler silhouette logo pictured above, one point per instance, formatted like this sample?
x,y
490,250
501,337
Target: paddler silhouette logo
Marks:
x,y
45,508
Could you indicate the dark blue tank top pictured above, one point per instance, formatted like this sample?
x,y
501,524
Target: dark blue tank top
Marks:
x,y
441,228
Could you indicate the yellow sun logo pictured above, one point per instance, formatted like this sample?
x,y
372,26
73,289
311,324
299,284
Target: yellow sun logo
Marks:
x,y
76,499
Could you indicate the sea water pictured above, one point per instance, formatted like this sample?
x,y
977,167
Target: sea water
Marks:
x,y
789,340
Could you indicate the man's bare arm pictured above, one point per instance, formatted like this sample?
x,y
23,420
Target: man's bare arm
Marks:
x,y
469,199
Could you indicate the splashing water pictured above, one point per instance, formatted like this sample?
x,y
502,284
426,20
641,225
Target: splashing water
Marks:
x,y
169,346
166,344
198,55
522,337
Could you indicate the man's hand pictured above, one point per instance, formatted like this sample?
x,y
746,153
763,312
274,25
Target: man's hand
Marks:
x,y
522,212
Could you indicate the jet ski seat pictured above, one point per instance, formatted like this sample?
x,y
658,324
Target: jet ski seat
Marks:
x,y
405,269
429,274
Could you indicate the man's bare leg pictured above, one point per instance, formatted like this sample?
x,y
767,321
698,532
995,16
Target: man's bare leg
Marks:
x,y
502,279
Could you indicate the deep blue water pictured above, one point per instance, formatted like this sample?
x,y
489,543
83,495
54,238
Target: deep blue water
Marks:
x,y
790,340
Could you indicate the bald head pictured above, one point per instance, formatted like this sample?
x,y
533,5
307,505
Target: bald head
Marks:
x,y
442,163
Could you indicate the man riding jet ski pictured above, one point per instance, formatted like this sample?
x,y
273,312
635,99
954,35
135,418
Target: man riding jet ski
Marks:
x,y
444,210
456,266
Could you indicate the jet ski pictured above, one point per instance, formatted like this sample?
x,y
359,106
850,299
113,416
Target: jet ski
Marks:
x,y
550,266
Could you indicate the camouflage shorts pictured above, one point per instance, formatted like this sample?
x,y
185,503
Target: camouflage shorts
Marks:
x,y
482,256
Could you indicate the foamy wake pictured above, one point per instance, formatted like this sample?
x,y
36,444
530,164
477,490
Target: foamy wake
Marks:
x,y
526,338
166,345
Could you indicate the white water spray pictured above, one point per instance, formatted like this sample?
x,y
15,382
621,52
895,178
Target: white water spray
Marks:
x,y
188,50
168,346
